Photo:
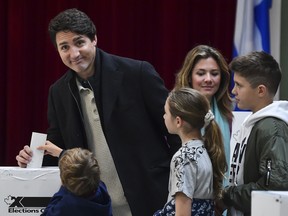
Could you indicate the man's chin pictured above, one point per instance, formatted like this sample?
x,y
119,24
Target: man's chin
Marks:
x,y
78,70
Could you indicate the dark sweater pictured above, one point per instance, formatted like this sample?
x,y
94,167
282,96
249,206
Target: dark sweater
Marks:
x,y
64,203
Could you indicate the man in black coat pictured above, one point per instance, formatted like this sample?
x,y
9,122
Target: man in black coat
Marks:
x,y
128,98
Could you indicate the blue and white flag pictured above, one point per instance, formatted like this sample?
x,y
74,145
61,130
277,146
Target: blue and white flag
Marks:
x,y
252,27
252,31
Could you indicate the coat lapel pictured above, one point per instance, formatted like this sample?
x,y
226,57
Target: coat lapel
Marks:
x,y
111,82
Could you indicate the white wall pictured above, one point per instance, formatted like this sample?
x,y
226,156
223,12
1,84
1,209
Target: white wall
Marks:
x,y
275,31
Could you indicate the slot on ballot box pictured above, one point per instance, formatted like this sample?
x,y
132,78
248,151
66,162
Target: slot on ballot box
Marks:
x,y
27,191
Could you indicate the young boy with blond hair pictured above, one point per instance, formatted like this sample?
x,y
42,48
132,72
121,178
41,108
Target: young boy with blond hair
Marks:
x,y
82,192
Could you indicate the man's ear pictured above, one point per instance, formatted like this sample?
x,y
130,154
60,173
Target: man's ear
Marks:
x,y
95,41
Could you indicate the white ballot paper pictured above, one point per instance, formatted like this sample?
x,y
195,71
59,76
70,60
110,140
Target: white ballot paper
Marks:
x,y
37,139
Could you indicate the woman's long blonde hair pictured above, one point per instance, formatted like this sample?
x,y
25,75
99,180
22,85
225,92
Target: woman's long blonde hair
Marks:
x,y
184,76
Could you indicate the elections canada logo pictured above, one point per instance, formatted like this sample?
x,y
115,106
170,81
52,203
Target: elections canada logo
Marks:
x,y
22,204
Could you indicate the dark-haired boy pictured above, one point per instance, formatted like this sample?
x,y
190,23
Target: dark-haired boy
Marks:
x,y
260,157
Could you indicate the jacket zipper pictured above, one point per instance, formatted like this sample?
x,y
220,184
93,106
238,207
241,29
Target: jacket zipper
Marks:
x,y
268,167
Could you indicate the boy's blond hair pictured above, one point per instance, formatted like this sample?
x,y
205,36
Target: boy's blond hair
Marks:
x,y
79,171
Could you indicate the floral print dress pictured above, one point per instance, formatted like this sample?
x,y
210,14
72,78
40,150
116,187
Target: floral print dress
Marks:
x,y
191,173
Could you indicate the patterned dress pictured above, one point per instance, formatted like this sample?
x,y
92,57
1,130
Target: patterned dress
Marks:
x,y
191,173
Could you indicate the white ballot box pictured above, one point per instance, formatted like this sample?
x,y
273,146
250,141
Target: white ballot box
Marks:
x,y
27,191
266,203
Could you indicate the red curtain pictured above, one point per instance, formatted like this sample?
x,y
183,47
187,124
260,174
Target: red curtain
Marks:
x,y
158,31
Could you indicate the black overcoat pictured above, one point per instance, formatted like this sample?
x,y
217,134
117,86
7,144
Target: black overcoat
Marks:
x,y
132,107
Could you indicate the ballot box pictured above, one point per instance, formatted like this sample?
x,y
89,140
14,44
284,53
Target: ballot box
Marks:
x,y
27,191
267,203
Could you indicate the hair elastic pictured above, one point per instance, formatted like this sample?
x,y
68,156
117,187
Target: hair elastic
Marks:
x,y
208,118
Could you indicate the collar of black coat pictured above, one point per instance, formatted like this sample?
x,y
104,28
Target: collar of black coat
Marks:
x,y
83,82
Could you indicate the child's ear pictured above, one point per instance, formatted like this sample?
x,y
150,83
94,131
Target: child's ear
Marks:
x,y
262,90
179,121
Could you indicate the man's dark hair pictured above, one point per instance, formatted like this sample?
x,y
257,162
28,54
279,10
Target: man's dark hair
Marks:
x,y
71,20
258,68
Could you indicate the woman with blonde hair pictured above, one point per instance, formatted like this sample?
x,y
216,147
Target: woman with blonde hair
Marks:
x,y
206,70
